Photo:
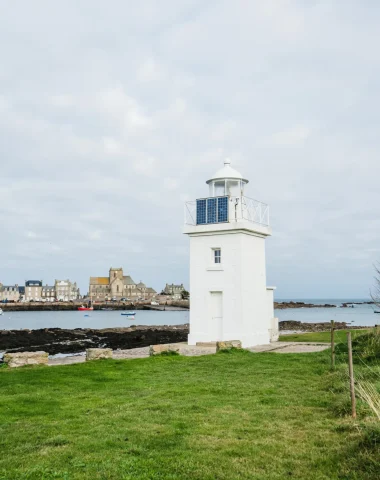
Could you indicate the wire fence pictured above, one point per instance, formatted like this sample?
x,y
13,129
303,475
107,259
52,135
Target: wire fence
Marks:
x,y
355,355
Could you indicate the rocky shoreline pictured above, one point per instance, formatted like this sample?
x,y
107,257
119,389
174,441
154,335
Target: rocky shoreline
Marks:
x,y
300,327
58,340
284,305
65,341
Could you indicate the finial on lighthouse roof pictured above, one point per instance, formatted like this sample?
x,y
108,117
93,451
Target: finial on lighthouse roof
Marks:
x,y
227,173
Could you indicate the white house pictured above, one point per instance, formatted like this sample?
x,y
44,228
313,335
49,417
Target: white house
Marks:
x,y
66,290
229,296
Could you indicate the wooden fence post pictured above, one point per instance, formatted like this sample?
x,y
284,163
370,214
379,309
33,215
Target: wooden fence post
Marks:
x,y
351,372
332,345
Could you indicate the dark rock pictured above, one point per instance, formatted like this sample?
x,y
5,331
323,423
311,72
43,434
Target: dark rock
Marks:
x,y
283,305
58,340
297,326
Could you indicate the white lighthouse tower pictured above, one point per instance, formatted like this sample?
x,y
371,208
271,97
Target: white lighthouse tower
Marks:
x,y
228,293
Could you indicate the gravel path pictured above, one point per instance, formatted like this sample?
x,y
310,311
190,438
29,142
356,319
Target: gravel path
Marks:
x,y
191,351
291,347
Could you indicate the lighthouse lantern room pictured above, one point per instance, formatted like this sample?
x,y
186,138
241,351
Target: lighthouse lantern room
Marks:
x,y
228,293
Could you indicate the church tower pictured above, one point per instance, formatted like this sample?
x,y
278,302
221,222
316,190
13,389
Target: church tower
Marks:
x,y
229,299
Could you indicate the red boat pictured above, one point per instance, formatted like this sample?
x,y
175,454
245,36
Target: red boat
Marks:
x,y
85,308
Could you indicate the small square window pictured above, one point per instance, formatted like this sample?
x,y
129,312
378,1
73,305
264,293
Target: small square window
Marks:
x,y
217,255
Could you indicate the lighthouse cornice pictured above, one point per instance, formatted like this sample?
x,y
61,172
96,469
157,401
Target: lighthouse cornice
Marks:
x,y
246,227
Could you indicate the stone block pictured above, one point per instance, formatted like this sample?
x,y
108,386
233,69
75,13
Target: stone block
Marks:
x,y
98,353
205,344
158,349
21,359
227,345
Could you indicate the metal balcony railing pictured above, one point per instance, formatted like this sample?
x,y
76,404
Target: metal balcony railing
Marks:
x,y
212,210
254,211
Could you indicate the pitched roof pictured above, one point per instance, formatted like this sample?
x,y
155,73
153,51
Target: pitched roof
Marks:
x,y
151,290
33,283
99,281
128,280
141,285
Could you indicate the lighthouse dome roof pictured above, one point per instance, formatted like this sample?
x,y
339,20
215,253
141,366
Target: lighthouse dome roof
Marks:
x,y
227,172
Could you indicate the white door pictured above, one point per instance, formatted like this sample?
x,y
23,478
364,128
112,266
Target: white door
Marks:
x,y
217,314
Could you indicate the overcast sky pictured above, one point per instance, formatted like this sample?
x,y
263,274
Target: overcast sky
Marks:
x,y
113,113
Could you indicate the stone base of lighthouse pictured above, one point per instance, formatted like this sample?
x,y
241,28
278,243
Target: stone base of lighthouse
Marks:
x,y
248,339
255,339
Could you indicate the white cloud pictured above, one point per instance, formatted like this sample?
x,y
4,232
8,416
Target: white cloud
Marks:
x,y
112,124
62,101
95,235
171,183
150,71
291,136
145,166
112,146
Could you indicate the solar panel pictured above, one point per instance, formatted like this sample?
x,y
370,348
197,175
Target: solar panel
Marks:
x,y
222,209
201,212
212,210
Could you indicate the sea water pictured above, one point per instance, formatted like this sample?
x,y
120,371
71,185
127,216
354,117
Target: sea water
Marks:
x,y
89,319
360,315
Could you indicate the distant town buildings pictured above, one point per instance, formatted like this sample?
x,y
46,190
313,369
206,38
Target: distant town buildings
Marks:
x,y
66,290
48,293
35,291
174,291
118,286
12,292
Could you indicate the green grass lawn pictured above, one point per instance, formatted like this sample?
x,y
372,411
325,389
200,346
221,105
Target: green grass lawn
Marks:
x,y
340,336
241,415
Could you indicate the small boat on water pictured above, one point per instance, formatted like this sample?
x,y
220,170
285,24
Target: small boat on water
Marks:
x,y
128,314
83,308
376,311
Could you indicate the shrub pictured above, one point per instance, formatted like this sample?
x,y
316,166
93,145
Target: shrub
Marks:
x,y
367,346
